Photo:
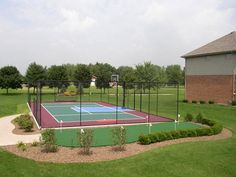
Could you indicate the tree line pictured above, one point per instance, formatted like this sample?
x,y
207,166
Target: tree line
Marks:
x,y
10,77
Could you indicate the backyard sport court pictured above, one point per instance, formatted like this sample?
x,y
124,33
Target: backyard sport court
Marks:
x,y
57,104
72,114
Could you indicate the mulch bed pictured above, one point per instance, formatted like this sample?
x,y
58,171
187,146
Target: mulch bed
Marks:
x,y
73,155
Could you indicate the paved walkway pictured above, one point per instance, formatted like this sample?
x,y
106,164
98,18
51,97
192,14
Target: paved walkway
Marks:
x,y
8,138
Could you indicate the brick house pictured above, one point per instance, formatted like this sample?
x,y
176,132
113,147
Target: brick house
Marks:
x,y
210,71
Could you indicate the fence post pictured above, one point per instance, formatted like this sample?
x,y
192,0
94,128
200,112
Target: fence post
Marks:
x,y
157,99
124,94
141,99
177,102
117,102
80,105
101,93
149,92
134,96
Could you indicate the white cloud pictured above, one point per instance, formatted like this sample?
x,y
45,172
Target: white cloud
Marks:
x,y
120,32
73,21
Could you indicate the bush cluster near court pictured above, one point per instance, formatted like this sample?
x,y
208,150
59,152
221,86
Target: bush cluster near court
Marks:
x,y
213,129
201,101
24,121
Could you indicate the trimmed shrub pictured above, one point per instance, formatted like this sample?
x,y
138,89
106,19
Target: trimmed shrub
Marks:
x,y
233,103
24,121
185,101
153,138
161,136
199,118
211,102
203,131
119,138
194,101
192,133
183,133
85,138
168,136
202,102
214,128
21,146
144,139
188,117
175,134
49,141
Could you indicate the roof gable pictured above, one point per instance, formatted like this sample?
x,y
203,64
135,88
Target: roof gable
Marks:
x,y
225,44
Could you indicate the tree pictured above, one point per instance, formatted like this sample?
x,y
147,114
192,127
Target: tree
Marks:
x,y
10,77
161,75
103,72
147,72
57,73
35,73
82,73
70,70
174,74
127,74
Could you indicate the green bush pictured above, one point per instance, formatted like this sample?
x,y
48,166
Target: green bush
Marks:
x,y
85,138
194,101
168,136
49,141
188,117
211,102
185,101
203,131
202,102
152,138
199,118
192,133
144,139
175,134
161,136
27,125
233,103
24,121
119,138
183,133
214,128
21,146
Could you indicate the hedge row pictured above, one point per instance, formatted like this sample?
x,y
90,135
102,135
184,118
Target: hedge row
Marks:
x,y
213,129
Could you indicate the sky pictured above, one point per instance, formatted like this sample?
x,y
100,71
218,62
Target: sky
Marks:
x,y
119,32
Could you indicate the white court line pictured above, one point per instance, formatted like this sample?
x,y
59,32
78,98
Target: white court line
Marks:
x,y
82,109
49,113
121,111
61,115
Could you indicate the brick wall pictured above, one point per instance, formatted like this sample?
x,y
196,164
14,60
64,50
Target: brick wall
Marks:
x,y
214,87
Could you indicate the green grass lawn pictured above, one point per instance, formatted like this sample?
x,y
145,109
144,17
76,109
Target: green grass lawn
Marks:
x,y
198,159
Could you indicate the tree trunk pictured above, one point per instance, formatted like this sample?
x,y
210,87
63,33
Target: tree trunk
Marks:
x,y
7,91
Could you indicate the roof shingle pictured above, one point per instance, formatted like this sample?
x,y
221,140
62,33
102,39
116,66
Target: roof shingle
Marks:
x,y
225,44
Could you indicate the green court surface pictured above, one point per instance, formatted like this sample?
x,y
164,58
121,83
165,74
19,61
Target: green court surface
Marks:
x,y
103,136
71,112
